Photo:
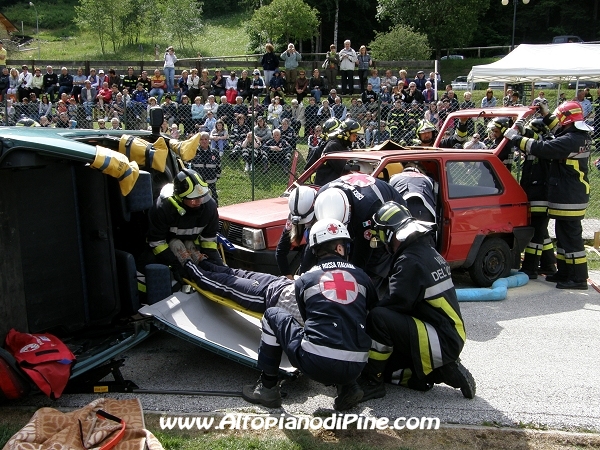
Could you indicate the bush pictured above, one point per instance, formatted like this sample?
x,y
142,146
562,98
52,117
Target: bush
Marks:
x,y
400,43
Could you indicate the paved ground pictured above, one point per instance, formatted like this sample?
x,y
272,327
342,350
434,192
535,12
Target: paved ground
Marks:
x,y
535,356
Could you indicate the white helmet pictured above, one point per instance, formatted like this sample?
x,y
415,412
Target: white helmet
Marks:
x,y
327,230
301,203
332,203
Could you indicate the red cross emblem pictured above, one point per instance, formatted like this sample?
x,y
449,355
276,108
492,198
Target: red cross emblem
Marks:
x,y
339,286
358,179
332,228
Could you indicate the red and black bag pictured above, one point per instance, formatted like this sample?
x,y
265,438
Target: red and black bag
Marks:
x,y
13,382
44,358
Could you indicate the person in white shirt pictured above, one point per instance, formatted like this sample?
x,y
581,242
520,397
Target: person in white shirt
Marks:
x,y
348,60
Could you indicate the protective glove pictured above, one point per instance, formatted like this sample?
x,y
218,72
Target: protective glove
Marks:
x,y
520,126
512,135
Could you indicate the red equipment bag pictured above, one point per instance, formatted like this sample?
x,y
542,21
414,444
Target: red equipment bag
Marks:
x,y
231,94
13,383
44,358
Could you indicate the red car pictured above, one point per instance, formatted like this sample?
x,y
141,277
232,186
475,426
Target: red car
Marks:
x,y
482,211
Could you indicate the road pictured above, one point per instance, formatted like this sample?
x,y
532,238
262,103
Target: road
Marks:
x,y
535,357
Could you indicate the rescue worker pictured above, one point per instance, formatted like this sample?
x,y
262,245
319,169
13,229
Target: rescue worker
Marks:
x,y
353,199
417,329
340,140
301,204
328,126
568,187
185,212
207,163
332,347
539,253
427,133
496,129
418,190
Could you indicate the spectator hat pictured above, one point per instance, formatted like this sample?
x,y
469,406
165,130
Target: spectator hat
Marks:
x,y
100,70
256,72
168,97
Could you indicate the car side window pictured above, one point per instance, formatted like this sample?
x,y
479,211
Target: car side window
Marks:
x,y
471,179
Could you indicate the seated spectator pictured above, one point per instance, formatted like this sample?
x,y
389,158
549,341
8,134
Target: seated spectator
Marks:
x,y
185,83
169,108
174,131
453,105
217,84
102,124
65,82
516,99
113,78
231,88
369,95
204,84
428,93
339,110
325,112
45,108
237,136
252,152
541,98
375,81
151,104
317,86
256,109
37,82
25,80
239,107
420,80
139,101
88,99
115,123
198,113
489,101
412,93
257,86
467,104
314,142
288,133
382,134
146,82
225,112
12,83
158,85
261,130
50,82
210,122
219,137
507,99
184,114
403,81
432,116
211,105
130,80
117,108
278,151
332,96
104,98
244,86
302,84
474,143
101,79
389,80
274,110
297,117
311,118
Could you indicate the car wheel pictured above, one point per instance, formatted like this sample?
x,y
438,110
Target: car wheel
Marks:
x,y
492,262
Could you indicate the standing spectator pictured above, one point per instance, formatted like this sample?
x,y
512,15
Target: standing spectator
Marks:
x,y
158,86
317,86
585,103
541,98
25,80
217,84
50,82
244,86
364,65
3,55
348,59
489,101
331,65
207,163
169,69
130,80
301,88
291,60
231,88
375,81
269,63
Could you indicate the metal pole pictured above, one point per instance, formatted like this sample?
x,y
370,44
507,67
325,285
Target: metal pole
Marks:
x,y
512,47
37,29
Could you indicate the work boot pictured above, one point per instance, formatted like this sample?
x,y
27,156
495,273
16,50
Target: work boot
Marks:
x,y
348,396
530,273
556,278
457,376
570,284
547,270
371,388
260,395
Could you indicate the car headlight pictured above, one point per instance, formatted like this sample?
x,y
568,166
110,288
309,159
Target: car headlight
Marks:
x,y
253,239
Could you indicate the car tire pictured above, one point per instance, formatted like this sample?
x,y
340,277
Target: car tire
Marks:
x,y
493,261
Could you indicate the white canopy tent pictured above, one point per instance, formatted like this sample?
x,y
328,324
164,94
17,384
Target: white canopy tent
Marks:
x,y
547,62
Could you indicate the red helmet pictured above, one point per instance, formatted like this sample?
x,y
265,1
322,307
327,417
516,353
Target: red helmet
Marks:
x,y
571,112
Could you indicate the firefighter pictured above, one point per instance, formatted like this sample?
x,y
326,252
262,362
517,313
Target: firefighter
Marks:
x,y
340,140
539,253
328,126
568,186
427,133
353,199
332,347
418,190
417,330
185,212
207,162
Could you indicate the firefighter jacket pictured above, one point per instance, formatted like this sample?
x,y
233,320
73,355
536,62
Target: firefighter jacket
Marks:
x,y
534,180
366,195
333,168
421,286
334,298
568,184
170,219
412,183
208,164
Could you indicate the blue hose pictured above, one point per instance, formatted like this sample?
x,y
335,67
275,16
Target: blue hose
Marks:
x,y
495,293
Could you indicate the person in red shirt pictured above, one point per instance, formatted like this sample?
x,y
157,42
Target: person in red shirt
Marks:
x,y
104,97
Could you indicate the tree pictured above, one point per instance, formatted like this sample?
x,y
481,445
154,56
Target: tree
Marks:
x,y
179,27
91,18
289,19
414,45
447,23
